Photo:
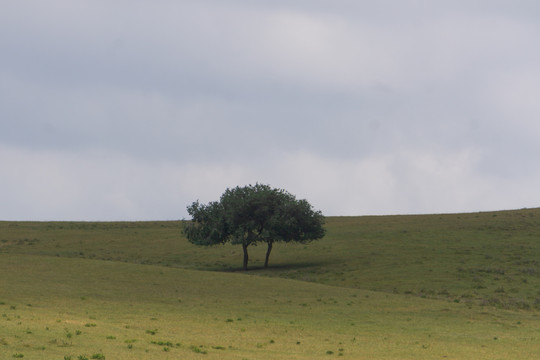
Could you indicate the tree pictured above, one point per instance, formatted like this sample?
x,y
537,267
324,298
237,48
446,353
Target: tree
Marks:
x,y
254,214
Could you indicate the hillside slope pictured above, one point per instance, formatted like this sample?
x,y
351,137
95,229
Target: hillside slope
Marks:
x,y
71,308
490,258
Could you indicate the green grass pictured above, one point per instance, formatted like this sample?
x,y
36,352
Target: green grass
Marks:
x,y
395,287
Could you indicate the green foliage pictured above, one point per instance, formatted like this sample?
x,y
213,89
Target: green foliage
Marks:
x,y
198,350
254,214
162,343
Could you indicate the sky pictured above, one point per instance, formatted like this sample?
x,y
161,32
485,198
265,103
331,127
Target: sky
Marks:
x,y
132,110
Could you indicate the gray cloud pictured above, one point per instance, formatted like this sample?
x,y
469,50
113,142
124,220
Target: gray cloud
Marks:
x,y
393,107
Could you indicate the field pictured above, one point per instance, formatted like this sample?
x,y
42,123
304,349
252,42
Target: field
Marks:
x,y
453,286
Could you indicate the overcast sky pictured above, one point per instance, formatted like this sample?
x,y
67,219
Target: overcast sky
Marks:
x,y
131,110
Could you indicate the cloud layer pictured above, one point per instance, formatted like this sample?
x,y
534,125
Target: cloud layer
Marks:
x,y
131,110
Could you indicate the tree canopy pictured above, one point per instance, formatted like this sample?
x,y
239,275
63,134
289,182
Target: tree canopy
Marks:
x,y
254,214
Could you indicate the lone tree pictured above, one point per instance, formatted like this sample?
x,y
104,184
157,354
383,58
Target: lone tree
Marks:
x,y
254,214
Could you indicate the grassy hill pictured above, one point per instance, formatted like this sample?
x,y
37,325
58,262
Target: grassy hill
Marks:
x,y
390,287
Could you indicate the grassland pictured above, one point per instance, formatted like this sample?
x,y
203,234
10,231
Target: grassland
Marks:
x,y
456,286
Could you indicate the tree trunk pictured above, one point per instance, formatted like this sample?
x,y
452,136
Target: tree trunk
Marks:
x,y
270,243
244,247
